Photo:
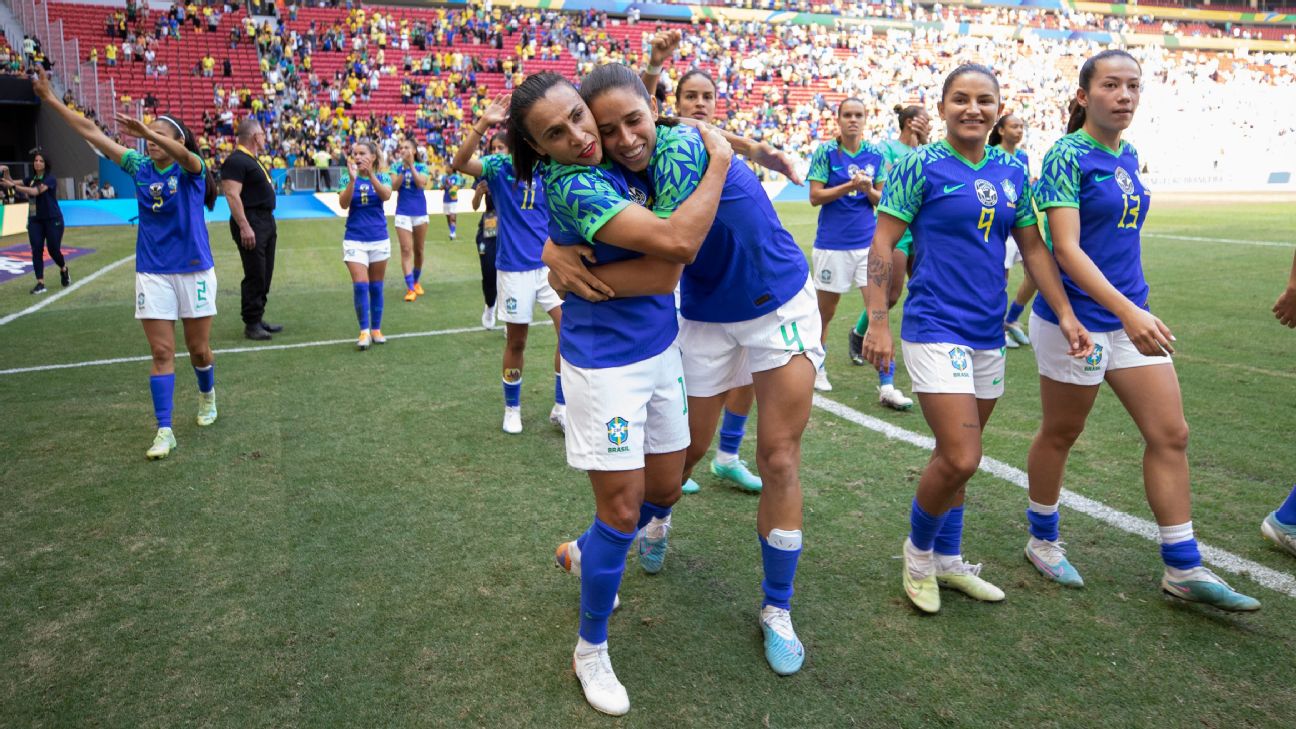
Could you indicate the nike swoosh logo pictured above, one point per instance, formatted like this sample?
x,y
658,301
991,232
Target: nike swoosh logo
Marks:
x,y
996,380
1102,178
952,188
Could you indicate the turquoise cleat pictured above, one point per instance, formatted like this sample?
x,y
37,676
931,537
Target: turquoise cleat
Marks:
x,y
1202,585
652,542
690,487
783,649
1284,535
739,474
1050,559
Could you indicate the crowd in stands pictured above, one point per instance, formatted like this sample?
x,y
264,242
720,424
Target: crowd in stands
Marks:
x,y
17,60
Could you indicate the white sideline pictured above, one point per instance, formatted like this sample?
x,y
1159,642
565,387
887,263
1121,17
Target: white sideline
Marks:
x,y
46,301
1227,561
1231,241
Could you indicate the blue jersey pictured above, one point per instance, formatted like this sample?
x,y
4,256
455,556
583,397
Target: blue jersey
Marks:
x,y
616,332
1079,172
522,212
366,221
894,150
960,214
847,223
1020,155
410,199
451,183
749,265
172,236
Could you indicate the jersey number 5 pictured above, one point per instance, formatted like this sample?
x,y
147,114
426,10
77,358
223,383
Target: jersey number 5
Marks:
x,y
1129,218
987,220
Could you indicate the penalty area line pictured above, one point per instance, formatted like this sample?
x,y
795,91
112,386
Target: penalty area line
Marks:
x,y
1225,560
60,294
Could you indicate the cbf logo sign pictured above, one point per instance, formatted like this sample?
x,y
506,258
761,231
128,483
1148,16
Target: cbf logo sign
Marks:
x,y
959,361
986,193
1010,191
618,433
510,305
826,275
1094,361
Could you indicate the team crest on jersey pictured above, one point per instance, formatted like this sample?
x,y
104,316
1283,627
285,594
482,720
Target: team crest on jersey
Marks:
x,y
958,360
638,197
1124,181
172,183
825,275
618,431
986,193
1010,191
1095,359
510,305
155,189
139,302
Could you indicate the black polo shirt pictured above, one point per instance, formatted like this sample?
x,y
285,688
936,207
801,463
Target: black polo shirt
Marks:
x,y
257,192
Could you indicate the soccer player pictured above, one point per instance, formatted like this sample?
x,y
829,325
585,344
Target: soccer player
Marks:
x,y
174,274
521,279
915,125
1096,204
450,186
747,308
1007,135
961,199
410,178
1279,526
487,235
366,246
846,176
44,218
628,423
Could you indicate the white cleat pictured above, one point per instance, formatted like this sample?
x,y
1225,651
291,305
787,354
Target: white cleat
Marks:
x,y
206,408
891,397
602,689
163,442
558,416
488,317
513,419
821,381
364,340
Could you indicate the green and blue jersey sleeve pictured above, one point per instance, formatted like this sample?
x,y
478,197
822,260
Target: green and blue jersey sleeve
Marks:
x,y
132,161
580,200
677,165
906,187
1059,183
819,165
491,166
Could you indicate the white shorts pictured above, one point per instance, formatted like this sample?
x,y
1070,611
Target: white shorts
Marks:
x,y
719,356
1012,254
839,271
410,222
173,296
617,415
955,369
1112,351
520,291
354,251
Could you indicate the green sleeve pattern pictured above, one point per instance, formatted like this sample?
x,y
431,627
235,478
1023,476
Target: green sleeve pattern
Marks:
x,y
132,161
677,166
491,165
818,165
581,199
903,195
1025,205
1059,183
344,180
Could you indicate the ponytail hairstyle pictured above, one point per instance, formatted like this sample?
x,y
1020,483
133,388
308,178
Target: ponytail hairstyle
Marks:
x,y
996,132
612,76
844,102
1076,112
502,137
906,114
186,137
525,96
373,149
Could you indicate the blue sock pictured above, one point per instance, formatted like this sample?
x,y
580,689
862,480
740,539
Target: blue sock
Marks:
x,y
360,293
780,562
649,511
603,561
888,377
922,527
163,388
452,229
1043,526
418,273
1181,555
409,282
376,303
731,431
1287,512
206,377
559,399
1014,311
512,393
949,538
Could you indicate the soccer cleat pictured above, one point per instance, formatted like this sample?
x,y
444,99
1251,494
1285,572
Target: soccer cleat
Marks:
x,y
890,396
163,442
1284,535
418,288
602,689
966,578
558,416
920,581
690,487
567,557
821,381
1011,343
651,543
1202,585
1050,559
39,288
488,317
378,337
206,408
363,342
65,278
783,649
1015,333
738,473
856,349
411,295
513,419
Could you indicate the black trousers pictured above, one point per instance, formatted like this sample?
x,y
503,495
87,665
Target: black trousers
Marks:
x,y
45,233
258,263
486,257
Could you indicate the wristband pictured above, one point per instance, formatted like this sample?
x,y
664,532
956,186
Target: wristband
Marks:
x,y
655,70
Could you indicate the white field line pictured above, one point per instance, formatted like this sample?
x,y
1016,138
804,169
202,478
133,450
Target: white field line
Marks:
x,y
47,300
253,348
1230,241
1227,561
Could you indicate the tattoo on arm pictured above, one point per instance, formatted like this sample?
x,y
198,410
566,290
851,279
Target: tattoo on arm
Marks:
x,y
879,315
879,272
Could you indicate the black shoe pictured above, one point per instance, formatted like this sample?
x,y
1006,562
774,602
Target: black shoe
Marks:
x,y
856,348
272,328
256,333
39,288
65,278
